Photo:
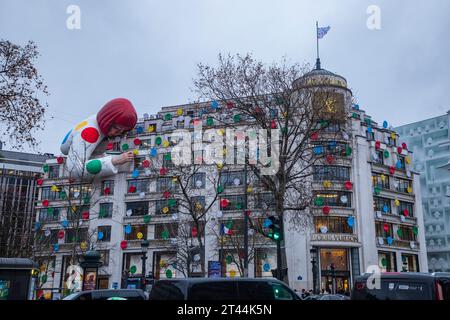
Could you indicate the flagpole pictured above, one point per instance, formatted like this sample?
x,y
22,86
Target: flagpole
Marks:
x,y
317,39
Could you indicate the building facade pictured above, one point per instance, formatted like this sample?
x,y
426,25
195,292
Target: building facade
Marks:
x,y
18,193
430,142
366,208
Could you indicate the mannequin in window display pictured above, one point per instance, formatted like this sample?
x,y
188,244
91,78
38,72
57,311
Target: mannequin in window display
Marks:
x,y
86,144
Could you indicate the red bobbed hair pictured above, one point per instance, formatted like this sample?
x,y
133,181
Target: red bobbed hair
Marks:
x,y
118,111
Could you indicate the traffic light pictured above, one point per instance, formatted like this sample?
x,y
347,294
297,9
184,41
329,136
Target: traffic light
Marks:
x,y
275,228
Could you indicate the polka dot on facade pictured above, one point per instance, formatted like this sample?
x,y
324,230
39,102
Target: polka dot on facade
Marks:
x,y
94,166
90,135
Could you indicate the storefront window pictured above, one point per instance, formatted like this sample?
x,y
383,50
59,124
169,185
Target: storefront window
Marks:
x,y
335,271
265,261
165,265
410,263
387,261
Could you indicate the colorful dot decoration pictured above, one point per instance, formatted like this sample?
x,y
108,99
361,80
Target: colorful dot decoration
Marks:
x,y
94,166
125,147
90,134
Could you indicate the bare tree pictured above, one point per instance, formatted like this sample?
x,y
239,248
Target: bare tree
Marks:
x,y
21,89
278,97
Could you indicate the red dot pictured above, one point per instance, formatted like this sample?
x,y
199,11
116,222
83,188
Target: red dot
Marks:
x,y
90,134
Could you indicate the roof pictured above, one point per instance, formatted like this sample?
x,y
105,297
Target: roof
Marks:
x,y
406,275
17,263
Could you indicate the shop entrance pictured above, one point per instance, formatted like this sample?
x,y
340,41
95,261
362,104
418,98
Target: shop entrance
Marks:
x,y
335,270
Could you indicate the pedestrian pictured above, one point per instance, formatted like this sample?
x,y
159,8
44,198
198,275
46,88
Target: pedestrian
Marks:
x,y
86,144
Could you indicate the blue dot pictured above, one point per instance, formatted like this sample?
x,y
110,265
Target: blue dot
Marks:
x,y
128,229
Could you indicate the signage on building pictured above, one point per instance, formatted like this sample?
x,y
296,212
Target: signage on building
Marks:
x,y
334,237
214,269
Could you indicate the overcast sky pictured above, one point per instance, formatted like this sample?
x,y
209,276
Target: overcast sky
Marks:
x,y
147,51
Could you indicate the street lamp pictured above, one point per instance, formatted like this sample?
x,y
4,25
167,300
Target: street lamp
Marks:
x,y
144,246
313,253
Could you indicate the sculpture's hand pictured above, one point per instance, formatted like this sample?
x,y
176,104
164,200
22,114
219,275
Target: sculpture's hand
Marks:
x,y
123,158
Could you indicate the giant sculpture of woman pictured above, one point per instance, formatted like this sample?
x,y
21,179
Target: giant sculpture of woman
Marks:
x,y
86,144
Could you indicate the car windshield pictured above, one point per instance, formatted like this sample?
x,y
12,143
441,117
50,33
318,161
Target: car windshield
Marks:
x,y
71,296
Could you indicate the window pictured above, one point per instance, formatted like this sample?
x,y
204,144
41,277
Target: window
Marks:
x,y
104,233
133,235
235,202
392,142
141,185
43,240
53,172
406,233
265,201
167,160
198,180
106,210
335,173
410,263
380,180
76,235
379,158
75,212
48,194
166,184
406,206
382,204
161,204
109,186
49,214
198,201
138,208
370,135
104,257
145,144
333,198
403,185
237,226
331,147
333,224
387,261
84,191
232,178
380,232
401,162
138,163
162,229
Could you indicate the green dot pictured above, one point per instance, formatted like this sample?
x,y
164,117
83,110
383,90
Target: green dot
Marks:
x,y
158,141
168,117
172,203
125,147
229,259
169,274
45,168
219,189
237,118
348,151
133,269
146,218
94,166
209,122
386,154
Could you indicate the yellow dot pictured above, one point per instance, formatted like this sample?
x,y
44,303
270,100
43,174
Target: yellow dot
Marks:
x,y
151,129
180,112
166,143
140,235
232,273
135,152
165,209
81,125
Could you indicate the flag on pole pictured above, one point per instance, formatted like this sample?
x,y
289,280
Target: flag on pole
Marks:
x,y
321,32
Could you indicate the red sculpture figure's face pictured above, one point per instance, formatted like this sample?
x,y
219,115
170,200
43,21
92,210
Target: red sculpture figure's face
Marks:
x,y
116,130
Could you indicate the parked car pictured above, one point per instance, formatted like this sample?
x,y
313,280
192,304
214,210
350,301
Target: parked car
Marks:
x,y
119,294
333,297
403,286
312,297
222,289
